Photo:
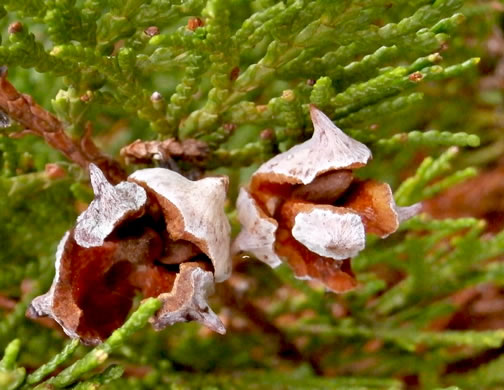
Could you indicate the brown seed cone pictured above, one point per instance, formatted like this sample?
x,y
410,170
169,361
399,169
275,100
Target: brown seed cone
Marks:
x,y
149,238
305,207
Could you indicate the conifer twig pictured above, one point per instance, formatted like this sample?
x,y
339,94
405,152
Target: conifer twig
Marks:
x,y
56,361
99,354
23,109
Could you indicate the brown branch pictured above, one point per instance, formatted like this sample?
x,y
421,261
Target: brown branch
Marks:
x,y
36,120
189,150
192,153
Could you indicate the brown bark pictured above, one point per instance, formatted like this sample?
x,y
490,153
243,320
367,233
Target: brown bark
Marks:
x,y
36,120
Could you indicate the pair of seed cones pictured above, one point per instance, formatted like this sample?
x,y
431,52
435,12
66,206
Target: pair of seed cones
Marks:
x,y
162,235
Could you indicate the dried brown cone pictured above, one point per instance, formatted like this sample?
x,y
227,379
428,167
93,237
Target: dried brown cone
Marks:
x,y
305,207
159,234
190,150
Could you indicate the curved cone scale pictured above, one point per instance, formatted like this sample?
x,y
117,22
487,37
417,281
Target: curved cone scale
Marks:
x,y
329,149
194,211
258,231
188,300
335,275
374,202
111,206
328,231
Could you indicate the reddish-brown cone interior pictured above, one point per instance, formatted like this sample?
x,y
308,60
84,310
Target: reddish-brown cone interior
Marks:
x,y
373,201
97,285
327,189
334,274
283,199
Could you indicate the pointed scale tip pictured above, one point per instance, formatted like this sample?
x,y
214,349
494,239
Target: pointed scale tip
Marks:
x,y
405,213
97,178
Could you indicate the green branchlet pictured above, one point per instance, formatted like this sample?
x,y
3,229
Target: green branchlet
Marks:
x,y
429,169
430,138
242,81
46,369
11,376
100,354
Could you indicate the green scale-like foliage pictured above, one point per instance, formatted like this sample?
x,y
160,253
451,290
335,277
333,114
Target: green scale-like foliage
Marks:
x,y
397,75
